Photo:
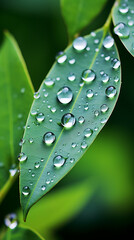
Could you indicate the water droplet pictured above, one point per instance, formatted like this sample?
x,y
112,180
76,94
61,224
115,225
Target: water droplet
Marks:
x,y
71,77
122,30
72,61
104,78
30,140
96,113
104,120
49,138
40,117
74,145
72,160
22,90
26,191
43,187
83,145
96,41
47,181
89,93
111,92
65,95
61,57
58,161
115,63
108,42
79,44
81,119
11,221
107,58
53,109
68,120
130,23
104,108
49,82
22,157
116,79
123,8
88,75
37,165
36,95
88,132
33,175
33,112
13,170
93,34
22,141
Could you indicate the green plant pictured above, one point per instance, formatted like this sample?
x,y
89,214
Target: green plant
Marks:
x,y
72,105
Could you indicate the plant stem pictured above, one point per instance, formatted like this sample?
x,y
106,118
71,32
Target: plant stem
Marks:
x,y
7,186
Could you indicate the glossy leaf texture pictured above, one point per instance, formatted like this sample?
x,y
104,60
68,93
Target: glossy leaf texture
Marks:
x,y
15,101
73,104
79,13
21,234
123,19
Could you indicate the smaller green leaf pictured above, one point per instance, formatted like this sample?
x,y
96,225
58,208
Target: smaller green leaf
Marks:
x,y
123,19
20,233
79,13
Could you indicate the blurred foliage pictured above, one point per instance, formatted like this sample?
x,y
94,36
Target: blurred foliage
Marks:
x,y
109,162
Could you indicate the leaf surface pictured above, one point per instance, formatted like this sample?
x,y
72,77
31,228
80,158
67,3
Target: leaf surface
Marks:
x,y
79,13
15,101
21,234
123,18
46,165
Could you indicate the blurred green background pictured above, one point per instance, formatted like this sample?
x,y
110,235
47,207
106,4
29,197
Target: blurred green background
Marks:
x,y
104,204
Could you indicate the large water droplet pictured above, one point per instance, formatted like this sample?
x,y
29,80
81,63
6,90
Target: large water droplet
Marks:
x,y
68,120
79,44
111,92
89,93
115,63
65,95
58,161
11,221
49,82
123,8
108,42
22,157
88,75
83,145
88,132
49,138
26,191
40,117
122,30
61,57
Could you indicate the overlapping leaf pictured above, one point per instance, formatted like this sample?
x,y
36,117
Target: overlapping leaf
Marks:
x,y
15,101
92,95
123,18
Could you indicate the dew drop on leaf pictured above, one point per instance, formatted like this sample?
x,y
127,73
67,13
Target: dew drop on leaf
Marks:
x,y
122,30
49,82
61,57
89,93
65,95
81,119
104,78
88,132
115,63
68,120
123,9
26,191
22,157
71,77
37,165
40,117
36,95
111,92
49,138
79,44
43,187
11,221
104,108
58,161
108,42
83,145
88,75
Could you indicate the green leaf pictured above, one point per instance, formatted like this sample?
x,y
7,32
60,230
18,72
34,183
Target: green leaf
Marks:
x,y
41,171
15,98
79,13
58,207
123,19
21,234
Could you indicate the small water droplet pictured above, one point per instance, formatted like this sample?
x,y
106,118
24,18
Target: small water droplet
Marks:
x,y
83,145
49,138
22,90
93,34
72,160
96,41
88,76
33,175
115,63
40,117
26,191
33,112
107,58
37,165
43,187
111,92
130,23
96,113
36,95
104,120
104,78
108,42
22,141
81,119
79,44
47,181
49,82
13,170
89,93
72,61
58,161
122,30
104,108
11,221
71,77
123,9
22,157
74,145
61,57
30,140
88,132
53,109
68,120
65,95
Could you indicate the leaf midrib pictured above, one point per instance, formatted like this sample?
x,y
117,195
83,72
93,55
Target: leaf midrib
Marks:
x,y
105,30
